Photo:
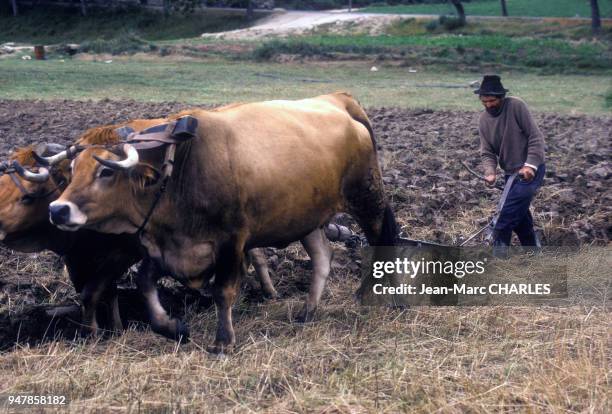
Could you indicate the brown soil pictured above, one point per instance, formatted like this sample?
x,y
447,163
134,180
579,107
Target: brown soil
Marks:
x,y
433,196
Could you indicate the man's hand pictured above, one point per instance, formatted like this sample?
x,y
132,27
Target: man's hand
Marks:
x,y
490,180
526,173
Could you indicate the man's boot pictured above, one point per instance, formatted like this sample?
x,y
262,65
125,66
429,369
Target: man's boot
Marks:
x,y
501,243
529,240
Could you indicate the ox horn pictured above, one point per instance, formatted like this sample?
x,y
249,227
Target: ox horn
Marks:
x,y
39,177
54,159
131,160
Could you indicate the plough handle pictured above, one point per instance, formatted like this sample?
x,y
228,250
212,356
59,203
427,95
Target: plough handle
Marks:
x,y
475,174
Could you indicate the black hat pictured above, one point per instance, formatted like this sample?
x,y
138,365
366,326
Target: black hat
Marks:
x,y
491,85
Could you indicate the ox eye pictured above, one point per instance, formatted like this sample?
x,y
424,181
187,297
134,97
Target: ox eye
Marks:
x,y
106,173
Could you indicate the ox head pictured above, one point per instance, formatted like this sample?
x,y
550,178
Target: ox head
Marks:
x,y
26,189
106,189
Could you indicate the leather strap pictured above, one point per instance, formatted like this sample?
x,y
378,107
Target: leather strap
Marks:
x,y
167,168
172,132
25,192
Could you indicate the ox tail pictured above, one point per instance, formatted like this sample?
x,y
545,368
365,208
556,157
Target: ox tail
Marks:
x,y
361,117
389,234
356,111
390,230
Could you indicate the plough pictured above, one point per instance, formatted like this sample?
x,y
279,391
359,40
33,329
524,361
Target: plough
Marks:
x,y
487,229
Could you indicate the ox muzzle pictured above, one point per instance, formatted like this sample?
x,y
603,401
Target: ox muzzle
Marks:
x,y
66,215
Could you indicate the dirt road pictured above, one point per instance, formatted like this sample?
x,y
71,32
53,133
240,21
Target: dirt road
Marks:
x,y
287,23
299,22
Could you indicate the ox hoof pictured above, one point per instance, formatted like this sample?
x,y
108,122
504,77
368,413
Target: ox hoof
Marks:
x,y
179,332
219,349
273,294
305,315
182,332
87,332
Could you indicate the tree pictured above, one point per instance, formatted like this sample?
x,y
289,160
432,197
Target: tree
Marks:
x,y
595,17
15,9
504,8
250,7
460,10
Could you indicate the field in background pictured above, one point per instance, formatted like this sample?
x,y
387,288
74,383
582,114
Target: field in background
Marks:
x,y
556,46
468,52
557,8
222,82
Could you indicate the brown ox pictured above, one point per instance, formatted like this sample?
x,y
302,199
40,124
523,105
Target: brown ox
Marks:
x,y
93,260
260,174
24,226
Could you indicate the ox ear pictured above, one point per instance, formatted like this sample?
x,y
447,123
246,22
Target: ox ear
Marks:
x,y
143,176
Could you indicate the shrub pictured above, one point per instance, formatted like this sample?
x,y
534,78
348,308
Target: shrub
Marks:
x,y
274,48
432,26
450,23
124,43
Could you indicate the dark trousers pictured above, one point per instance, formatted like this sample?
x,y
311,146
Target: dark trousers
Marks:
x,y
515,215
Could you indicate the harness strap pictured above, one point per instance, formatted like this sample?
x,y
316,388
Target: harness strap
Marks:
x,y
167,168
173,132
18,183
25,192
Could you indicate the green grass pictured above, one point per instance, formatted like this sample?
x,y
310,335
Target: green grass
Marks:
x,y
554,55
221,82
67,26
542,8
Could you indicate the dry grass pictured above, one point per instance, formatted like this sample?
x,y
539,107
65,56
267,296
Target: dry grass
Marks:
x,y
351,359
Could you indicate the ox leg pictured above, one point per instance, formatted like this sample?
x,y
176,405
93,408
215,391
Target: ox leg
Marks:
x,y
225,292
115,314
90,297
100,291
258,259
161,323
321,254
94,288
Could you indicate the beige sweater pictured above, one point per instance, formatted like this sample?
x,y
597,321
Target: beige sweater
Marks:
x,y
512,138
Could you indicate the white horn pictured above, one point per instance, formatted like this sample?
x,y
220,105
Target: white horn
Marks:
x,y
130,161
54,159
40,177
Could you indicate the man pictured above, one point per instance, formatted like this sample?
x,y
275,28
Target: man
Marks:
x,y
509,136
